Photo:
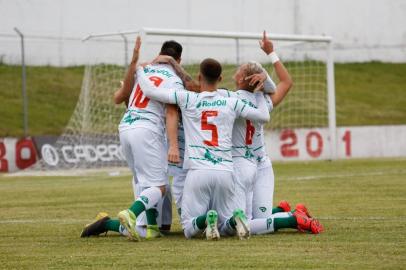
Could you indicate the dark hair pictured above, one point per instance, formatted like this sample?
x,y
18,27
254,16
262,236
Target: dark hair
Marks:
x,y
210,69
171,48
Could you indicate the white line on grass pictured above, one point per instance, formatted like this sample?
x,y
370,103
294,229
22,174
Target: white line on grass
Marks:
x,y
346,175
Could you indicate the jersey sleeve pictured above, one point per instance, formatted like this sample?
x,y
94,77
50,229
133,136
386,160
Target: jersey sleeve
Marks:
x,y
260,114
269,102
227,93
269,85
184,98
177,84
165,95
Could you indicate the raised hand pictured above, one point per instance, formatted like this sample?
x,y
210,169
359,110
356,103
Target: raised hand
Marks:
x,y
256,78
266,44
136,52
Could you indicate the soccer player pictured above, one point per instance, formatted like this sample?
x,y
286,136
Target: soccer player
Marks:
x,y
265,218
252,167
208,119
143,143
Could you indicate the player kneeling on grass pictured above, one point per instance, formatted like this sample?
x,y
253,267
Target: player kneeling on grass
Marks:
x,y
144,147
208,120
252,167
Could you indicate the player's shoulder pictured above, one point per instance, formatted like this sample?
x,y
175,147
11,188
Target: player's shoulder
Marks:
x,y
162,70
226,92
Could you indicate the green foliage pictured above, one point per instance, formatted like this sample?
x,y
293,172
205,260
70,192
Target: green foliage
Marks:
x,y
52,96
360,203
370,94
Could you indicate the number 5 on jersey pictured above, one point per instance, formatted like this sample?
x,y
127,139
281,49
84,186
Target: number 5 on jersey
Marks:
x,y
139,100
211,127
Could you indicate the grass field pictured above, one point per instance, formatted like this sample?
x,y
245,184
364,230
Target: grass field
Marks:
x,y
360,202
366,94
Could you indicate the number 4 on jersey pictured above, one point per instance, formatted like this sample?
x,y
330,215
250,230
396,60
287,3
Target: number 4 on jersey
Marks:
x,y
249,133
140,101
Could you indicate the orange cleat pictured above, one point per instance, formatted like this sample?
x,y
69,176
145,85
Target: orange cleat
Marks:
x,y
302,208
284,205
307,224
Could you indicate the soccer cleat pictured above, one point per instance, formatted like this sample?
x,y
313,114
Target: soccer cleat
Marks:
x,y
212,232
307,224
302,208
284,205
127,219
97,227
152,232
242,225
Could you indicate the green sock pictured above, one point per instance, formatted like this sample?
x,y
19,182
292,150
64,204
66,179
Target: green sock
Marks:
x,y
151,216
137,208
232,222
277,210
113,225
285,222
201,222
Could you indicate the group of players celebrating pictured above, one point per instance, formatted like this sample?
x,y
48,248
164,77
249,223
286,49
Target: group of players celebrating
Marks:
x,y
210,140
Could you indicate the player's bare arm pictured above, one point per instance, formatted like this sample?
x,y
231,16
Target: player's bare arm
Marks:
x,y
172,120
257,79
187,80
122,94
261,81
285,81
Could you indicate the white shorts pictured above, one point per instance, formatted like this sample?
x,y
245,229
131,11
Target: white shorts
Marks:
x,y
244,176
164,207
262,197
205,190
178,183
145,152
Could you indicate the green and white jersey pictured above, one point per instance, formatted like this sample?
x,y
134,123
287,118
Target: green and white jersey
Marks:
x,y
261,155
145,112
208,120
247,138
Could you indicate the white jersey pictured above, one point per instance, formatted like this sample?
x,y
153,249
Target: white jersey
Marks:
x,y
144,112
261,155
248,139
208,120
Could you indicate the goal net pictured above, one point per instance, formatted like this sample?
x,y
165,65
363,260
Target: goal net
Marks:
x,y
90,139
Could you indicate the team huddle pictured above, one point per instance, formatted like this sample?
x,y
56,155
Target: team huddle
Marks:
x,y
210,140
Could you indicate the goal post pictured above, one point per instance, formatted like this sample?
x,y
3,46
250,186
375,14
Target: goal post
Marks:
x,y
93,125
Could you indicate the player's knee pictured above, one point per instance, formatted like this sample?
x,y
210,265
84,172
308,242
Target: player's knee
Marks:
x,y
188,233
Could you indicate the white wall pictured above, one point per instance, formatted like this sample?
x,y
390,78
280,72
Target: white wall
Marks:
x,y
363,30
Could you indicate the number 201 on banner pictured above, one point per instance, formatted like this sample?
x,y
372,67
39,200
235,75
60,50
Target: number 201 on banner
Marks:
x,y
314,144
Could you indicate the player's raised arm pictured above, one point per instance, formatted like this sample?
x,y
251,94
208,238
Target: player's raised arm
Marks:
x,y
187,80
123,94
285,81
260,114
